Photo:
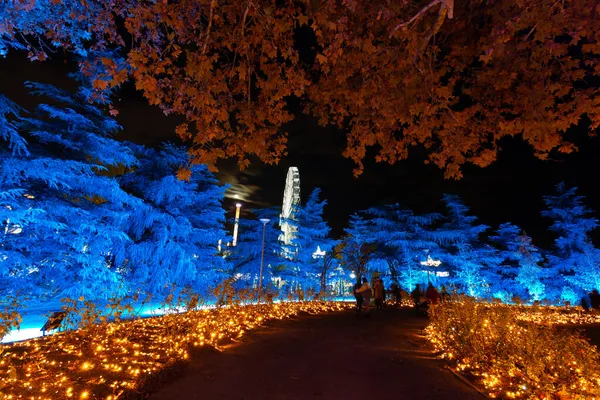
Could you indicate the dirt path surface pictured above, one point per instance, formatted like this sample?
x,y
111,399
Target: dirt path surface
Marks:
x,y
329,356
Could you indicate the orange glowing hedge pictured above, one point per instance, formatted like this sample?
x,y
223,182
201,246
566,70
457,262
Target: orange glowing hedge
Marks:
x,y
105,361
516,351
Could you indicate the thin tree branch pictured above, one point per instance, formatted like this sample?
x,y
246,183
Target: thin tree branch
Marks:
x,y
417,15
449,4
213,5
243,26
245,16
434,29
249,81
530,32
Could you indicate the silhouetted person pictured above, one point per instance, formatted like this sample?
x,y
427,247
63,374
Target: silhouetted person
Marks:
x,y
595,299
421,303
396,293
416,295
432,295
378,288
365,292
444,294
357,296
402,294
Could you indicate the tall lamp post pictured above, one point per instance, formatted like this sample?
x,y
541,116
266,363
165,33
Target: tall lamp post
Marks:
x,y
262,258
237,220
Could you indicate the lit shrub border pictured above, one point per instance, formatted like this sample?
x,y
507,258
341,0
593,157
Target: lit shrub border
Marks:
x,y
513,356
105,361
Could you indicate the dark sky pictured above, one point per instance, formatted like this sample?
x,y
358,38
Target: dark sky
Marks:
x,y
509,190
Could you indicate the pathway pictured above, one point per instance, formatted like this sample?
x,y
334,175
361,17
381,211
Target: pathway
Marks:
x,y
329,356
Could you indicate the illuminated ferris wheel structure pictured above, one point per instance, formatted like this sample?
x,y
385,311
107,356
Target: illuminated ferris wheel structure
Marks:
x,y
291,204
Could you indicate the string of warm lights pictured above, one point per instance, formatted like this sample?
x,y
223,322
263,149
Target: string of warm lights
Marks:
x,y
518,351
107,360
559,316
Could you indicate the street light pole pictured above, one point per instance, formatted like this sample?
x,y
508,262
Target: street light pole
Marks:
x,y
262,258
237,220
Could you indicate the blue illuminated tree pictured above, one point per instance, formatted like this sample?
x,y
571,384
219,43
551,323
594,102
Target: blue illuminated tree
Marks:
x,y
16,217
385,258
175,233
313,233
357,246
586,270
468,257
574,256
63,216
522,273
244,260
403,239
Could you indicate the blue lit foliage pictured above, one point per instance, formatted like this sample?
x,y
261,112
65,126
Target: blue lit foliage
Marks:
x,y
313,233
402,240
87,29
468,257
460,227
574,256
174,234
27,25
521,270
85,215
61,216
357,246
244,260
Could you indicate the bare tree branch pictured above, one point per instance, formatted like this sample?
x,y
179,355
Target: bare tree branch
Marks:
x,y
530,32
449,4
417,15
435,28
446,10
213,4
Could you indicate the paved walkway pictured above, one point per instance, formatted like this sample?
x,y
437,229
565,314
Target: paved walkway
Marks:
x,y
329,356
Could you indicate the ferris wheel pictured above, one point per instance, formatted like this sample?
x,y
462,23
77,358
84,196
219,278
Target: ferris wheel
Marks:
x,y
291,203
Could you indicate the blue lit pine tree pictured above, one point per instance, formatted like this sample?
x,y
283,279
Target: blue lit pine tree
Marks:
x,y
468,257
176,232
314,243
574,260
66,215
402,240
521,272
245,258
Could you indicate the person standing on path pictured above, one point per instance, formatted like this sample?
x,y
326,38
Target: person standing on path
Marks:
x,y
358,296
396,294
378,288
416,295
365,292
432,295
595,299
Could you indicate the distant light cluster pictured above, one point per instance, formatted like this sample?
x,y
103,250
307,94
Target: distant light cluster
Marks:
x,y
108,360
559,316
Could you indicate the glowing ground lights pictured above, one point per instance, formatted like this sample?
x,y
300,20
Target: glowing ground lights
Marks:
x,y
107,360
517,351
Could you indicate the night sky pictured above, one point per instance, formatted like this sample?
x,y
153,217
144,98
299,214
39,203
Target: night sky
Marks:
x,y
510,190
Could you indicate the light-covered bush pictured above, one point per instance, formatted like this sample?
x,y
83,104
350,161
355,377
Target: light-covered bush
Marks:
x,y
511,357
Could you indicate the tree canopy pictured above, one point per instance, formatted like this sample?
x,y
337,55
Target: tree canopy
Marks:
x,y
453,77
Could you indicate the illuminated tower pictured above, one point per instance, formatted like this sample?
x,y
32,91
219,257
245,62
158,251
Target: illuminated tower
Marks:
x,y
238,206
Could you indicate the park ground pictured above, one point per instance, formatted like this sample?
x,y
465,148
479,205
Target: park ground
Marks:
x,y
330,356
